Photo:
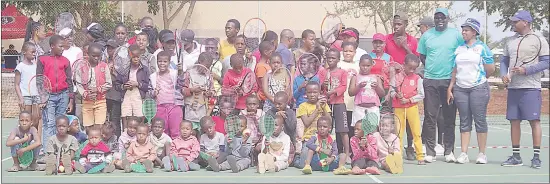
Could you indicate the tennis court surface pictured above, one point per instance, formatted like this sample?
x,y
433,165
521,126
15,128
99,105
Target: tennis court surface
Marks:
x,y
440,172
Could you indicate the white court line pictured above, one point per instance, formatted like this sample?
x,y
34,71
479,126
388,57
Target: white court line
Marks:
x,y
374,178
6,159
521,131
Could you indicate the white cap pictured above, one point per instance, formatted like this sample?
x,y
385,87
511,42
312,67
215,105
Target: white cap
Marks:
x,y
65,32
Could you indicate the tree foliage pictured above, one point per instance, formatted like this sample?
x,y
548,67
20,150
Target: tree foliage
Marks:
x,y
539,10
170,9
382,12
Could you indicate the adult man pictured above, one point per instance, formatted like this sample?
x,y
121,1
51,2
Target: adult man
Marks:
x,y
426,23
191,49
240,48
524,85
308,37
287,41
232,28
144,23
436,48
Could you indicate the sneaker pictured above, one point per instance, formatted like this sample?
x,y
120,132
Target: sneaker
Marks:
x,y
78,167
421,162
233,163
481,158
109,169
167,164
372,170
270,163
535,163
261,163
307,169
429,159
439,149
512,161
410,155
358,171
213,163
67,162
341,171
126,166
148,166
463,158
450,158
50,161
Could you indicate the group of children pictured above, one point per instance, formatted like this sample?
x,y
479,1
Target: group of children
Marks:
x,y
188,136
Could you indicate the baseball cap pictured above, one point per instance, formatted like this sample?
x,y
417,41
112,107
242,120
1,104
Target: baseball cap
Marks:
x,y
379,36
168,37
522,15
348,33
427,20
401,15
187,35
94,29
112,43
65,32
445,11
473,23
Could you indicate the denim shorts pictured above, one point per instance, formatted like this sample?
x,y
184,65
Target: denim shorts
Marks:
x,y
31,100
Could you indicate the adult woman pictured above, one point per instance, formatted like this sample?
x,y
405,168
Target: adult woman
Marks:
x,y
36,34
473,63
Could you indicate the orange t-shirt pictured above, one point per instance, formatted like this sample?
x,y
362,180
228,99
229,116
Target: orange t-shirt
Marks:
x,y
261,70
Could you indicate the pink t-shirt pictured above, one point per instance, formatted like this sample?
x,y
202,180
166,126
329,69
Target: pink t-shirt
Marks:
x,y
366,95
166,89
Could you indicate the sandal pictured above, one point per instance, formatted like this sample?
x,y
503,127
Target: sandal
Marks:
x,y
14,169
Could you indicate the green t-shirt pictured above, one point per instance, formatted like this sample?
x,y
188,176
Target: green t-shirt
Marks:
x,y
439,49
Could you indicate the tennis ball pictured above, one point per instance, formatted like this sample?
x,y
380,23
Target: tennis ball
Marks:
x,y
61,169
246,132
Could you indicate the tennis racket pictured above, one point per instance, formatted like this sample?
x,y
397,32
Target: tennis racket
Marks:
x,y
149,109
267,127
122,61
64,20
246,85
43,85
323,157
199,76
233,126
308,66
393,160
369,123
26,159
82,74
279,80
178,51
253,31
526,60
331,27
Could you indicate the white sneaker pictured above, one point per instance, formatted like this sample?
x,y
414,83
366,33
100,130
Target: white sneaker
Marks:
x,y
481,158
463,158
450,158
439,149
429,159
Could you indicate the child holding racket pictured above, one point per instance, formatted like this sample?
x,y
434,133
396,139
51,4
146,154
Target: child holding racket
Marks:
x,y
276,80
93,80
386,140
95,153
321,153
307,115
367,89
184,151
405,98
365,152
238,146
240,82
141,151
168,99
248,60
128,136
26,88
281,109
262,68
334,88
253,115
23,140
134,86
61,148
308,72
160,140
276,152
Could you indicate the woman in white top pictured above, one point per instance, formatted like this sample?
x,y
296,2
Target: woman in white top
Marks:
x,y
469,88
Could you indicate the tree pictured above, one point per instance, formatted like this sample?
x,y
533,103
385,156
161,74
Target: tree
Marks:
x,y
538,8
170,11
381,12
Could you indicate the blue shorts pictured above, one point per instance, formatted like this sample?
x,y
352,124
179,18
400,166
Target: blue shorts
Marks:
x,y
524,104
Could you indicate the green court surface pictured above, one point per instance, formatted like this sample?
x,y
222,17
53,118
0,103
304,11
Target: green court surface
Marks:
x,y
499,135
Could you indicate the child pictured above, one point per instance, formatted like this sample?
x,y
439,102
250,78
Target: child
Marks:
x,y
212,142
408,92
146,59
312,161
95,153
351,67
262,68
194,111
226,108
300,82
365,152
60,144
24,133
75,130
169,99
381,63
281,109
335,86
367,89
141,151
239,148
211,47
109,138
233,79
28,98
308,113
168,42
125,139
276,149
270,88
134,87
159,139
56,68
185,148
384,138
248,60
253,115
114,97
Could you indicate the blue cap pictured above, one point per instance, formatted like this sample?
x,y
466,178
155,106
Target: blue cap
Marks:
x,y
445,11
522,15
473,23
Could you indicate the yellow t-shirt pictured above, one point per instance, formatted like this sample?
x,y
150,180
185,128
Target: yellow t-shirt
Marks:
x,y
226,49
307,109
217,69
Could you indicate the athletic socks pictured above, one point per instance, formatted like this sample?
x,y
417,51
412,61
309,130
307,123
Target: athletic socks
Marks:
x,y
536,150
515,151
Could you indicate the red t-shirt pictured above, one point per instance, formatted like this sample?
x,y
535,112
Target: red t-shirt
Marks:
x,y
398,53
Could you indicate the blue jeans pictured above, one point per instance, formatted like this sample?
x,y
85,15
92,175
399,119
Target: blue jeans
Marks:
x,y
56,106
315,161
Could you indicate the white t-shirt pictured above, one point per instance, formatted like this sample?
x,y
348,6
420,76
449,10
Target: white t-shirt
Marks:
x,y
212,145
27,72
73,54
358,53
190,58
